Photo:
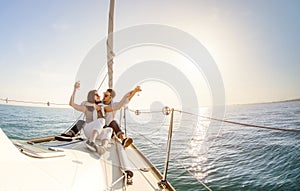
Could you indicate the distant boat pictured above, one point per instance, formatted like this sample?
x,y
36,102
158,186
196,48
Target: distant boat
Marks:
x,y
50,163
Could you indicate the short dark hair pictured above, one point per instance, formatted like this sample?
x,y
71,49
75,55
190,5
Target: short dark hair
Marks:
x,y
112,92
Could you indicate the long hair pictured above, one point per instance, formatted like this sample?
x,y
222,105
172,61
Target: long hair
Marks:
x,y
91,99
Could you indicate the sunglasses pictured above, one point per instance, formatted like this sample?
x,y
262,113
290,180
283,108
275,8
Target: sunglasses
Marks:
x,y
105,95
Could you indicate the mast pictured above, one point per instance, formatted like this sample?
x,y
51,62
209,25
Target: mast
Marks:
x,y
109,44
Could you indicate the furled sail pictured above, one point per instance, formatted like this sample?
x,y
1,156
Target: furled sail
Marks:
x,y
109,44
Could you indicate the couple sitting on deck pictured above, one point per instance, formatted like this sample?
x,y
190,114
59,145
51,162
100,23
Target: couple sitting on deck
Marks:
x,y
100,122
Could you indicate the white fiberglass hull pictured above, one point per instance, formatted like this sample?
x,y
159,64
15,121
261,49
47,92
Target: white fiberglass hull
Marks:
x,y
71,166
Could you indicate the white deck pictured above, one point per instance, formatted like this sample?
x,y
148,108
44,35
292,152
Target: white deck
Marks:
x,y
76,169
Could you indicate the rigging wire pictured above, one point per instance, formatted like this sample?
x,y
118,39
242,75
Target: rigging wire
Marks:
x,y
226,121
32,102
45,103
144,111
243,124
103,80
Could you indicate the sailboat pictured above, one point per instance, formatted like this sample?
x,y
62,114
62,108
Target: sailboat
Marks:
x,y
48,163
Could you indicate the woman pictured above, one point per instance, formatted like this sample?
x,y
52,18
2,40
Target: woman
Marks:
x,y
94,120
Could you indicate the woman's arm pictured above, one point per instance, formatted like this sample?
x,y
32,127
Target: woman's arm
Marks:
x,y
72,103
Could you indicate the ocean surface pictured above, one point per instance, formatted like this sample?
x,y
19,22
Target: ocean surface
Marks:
x,y
239,158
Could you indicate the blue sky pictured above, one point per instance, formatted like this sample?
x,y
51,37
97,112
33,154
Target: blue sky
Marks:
x,y
254,43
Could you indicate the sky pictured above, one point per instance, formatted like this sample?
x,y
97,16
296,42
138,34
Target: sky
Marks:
x,y
255,44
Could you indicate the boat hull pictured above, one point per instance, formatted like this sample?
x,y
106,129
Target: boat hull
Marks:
x,y
58,165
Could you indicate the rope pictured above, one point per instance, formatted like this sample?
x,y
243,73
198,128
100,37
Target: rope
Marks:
x,y
228,121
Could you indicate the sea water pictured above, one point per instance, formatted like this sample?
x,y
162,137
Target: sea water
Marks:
x,y
238,158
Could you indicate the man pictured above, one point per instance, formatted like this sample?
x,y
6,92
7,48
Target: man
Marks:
x,y
110,109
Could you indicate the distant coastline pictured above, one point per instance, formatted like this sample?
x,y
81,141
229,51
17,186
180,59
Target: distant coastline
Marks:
x,y
290,100
282,101
267,102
